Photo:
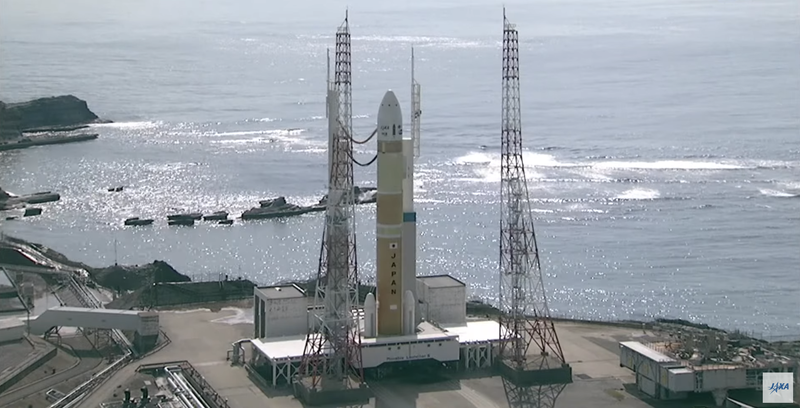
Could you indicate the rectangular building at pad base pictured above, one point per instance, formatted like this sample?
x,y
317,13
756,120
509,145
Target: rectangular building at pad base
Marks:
x,y
349,392
430,342
472,346
532,375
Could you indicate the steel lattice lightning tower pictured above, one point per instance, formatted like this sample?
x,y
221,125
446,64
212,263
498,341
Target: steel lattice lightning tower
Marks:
x,y
332,355
525,317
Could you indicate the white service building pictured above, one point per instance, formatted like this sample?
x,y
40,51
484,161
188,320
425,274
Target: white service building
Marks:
x,y
282,322
11,329
442,299
279,311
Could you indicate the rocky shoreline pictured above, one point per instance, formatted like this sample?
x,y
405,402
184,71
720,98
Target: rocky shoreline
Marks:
x,y
9,201
118,278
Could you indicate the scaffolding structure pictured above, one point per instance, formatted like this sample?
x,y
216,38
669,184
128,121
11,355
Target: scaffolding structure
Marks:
x,y
525,316
332,354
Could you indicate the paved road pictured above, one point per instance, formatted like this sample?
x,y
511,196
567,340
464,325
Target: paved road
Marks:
x,y
86,364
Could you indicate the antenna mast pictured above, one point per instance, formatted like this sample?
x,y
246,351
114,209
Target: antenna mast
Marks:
x,y
525,316
327,82
416,108
332,354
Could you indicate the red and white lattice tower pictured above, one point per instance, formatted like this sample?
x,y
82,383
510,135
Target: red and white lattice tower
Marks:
x,y
332,355
525,316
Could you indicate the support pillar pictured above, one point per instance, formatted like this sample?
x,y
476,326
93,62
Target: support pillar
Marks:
x,y
720,396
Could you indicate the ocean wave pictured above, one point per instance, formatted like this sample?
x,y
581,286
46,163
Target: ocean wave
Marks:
x,y
129,125
632,196
666,165
292,131
532,159
486,166
639,194
777,193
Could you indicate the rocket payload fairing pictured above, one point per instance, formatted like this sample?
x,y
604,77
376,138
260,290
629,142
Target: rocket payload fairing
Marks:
x,y
389,228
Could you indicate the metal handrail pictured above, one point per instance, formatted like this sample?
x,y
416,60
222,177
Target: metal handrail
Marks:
x,y
88,299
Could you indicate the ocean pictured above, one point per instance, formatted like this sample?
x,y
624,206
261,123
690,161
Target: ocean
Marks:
x,y
662,137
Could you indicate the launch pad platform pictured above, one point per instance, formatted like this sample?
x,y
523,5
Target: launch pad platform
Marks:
x,y
536,373
472,346
348,392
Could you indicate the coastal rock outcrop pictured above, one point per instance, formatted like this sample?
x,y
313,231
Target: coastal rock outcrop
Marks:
x,y
52,114
362,195
280,208
9,123
16,251
9,201
54,111
132,277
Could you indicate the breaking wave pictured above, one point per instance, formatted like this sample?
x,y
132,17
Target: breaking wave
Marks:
x,y
639,194
486,166
777,193
128,125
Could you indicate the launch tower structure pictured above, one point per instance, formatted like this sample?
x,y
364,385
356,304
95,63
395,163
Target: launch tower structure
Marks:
x,y
332,354
411,152
525,317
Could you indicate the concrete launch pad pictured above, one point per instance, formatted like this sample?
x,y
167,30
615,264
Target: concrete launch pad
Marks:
x,y
592,351
470,345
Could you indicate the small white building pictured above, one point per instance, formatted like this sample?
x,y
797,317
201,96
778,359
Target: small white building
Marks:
x,y
280,311
663,377
442,299
11,329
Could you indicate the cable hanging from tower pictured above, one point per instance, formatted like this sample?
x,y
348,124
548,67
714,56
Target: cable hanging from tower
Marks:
x,y
363,164
374,132
357,142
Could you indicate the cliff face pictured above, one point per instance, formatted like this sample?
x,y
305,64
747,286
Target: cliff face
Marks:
x,y
66,110
9,122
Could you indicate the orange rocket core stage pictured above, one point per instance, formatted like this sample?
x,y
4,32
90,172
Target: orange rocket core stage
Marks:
x,y
390,243
389,228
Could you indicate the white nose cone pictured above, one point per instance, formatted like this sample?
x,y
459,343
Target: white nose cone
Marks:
x,y
390,118
369,302
370,316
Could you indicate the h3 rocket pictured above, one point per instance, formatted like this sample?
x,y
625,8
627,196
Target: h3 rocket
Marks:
x,y
395,310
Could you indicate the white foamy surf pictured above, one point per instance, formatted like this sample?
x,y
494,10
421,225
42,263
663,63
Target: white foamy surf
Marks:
x,y
639,194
